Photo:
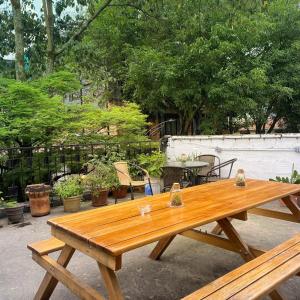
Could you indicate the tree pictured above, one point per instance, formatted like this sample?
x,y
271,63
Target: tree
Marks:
x,y
19,39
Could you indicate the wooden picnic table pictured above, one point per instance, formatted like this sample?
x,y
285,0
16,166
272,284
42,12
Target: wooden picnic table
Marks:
x,y
106,233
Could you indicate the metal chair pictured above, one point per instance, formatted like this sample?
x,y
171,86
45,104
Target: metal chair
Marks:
x,y
211,159
212,176
176,174
126,180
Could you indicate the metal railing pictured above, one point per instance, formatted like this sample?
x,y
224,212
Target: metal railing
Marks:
x,y
20,167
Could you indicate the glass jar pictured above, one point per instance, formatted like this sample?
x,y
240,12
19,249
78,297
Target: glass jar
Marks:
x,y
176,196
240,179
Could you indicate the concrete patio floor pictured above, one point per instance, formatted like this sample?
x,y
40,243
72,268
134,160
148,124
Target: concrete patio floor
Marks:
x,y
186,265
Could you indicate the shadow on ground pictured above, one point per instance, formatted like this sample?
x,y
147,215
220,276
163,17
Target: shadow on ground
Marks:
x,y
186,265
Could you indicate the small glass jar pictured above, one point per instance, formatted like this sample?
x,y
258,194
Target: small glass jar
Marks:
x,y
176,196
240,179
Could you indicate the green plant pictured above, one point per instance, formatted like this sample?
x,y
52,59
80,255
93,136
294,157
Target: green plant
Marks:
x,y
10,203
101,176
70,187
294,178
153,162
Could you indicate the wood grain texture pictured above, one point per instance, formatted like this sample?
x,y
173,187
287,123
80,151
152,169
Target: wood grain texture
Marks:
x,y
160,248
111,282
46,246
120,228
82,290
49,282
256,278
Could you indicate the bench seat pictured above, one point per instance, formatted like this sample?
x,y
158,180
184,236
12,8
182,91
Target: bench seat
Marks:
x,y
45,247
256,278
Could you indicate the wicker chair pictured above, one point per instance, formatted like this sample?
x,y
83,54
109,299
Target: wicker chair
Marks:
x,y
126,180
176,174
211,175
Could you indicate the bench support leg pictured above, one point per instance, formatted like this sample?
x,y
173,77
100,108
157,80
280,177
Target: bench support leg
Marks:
x,y
244,250
111,282
49,282
160,248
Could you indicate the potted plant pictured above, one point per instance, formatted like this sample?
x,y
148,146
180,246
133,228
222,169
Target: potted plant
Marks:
x,y
153,163
100,179
70,190
13,210
39,201
293,179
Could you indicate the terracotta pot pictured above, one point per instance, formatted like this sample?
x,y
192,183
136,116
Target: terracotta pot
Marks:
x,y
120,192
72,204
39,201
15,214
99,198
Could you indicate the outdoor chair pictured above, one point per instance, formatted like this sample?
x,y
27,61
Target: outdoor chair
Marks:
x,y
214,173
211,159
176,174
126,180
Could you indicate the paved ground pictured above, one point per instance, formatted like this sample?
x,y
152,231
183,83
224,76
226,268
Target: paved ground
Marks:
x,y
185,266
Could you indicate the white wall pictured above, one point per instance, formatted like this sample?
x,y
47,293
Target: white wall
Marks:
x,y
261,156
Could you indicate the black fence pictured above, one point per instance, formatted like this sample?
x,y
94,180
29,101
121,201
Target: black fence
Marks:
x,y
22,166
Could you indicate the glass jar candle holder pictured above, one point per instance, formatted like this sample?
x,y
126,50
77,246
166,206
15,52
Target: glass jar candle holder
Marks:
x,y
240,180
176,196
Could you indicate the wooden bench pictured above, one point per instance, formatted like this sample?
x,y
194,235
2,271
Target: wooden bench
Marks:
x,y
256,278
46,246
56,270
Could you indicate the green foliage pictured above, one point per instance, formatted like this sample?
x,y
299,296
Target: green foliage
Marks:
x,y
211,59
153,162
100,176
294,178
59,83
27,114
69,187
10,203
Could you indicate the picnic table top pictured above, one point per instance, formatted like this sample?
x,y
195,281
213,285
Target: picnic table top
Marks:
x,y
120,228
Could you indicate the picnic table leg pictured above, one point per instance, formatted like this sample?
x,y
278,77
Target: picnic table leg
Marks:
x,y
111,282
292,206
217,230
49,282
245,252
160,247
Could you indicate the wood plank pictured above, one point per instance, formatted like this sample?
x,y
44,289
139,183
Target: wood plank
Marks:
x,y
273,214
111,282
160,248
138,226
293,207
210,239
112,262
241,216
119,229
244,269
49,282
257,274
271,281
235,238
46,246
79,288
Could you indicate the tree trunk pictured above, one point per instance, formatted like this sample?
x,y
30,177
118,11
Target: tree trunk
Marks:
x,y
19,39
186,123
275,120
49,22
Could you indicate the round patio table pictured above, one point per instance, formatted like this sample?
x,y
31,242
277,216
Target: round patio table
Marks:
x,y
193,165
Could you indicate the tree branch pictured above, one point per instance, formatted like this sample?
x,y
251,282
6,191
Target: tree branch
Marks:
x,y
83,27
